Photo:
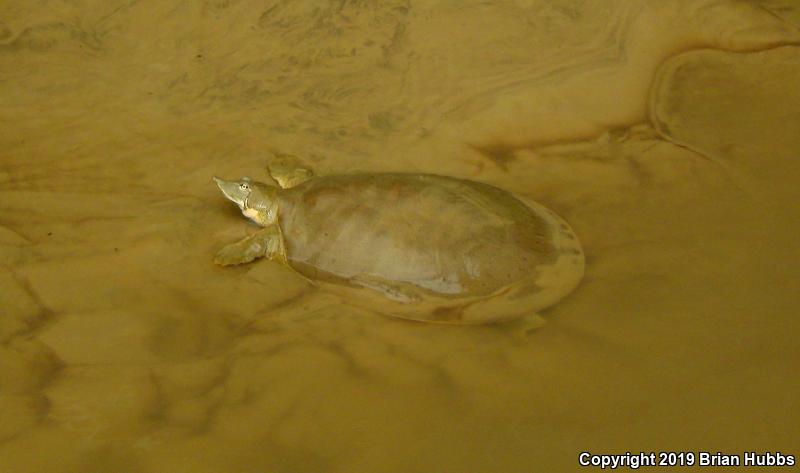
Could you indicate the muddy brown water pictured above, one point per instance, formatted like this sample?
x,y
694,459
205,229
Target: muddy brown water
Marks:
x,y
667,133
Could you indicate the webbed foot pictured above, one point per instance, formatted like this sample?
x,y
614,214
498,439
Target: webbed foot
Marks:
x,y
289,171
266,242
521,328
241,252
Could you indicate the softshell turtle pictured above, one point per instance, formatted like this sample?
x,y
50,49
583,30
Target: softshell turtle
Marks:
x,y
422,246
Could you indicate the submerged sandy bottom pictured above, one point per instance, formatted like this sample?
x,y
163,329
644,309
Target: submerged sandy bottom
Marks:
x,y
667,133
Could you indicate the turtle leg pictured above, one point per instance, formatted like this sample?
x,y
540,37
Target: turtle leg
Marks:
x,y
521,328
267,242
289,171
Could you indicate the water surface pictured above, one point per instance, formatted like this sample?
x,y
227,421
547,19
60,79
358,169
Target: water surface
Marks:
x,y
666,133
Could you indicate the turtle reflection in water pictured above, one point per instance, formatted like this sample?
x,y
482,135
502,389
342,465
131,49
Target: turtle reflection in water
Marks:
x,y
431,248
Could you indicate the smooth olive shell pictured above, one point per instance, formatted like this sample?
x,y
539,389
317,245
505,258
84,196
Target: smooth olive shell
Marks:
x,y
431,234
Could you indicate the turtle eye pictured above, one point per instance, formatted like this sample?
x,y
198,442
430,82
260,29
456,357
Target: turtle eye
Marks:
x,y
244,186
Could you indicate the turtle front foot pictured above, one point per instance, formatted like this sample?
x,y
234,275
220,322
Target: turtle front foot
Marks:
x,y
231,255
240,252
266,242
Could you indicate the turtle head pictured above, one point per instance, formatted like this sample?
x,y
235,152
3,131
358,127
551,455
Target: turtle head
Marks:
x,y
256,200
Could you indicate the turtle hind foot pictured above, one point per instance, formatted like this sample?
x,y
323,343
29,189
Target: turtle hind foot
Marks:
x,y
522,328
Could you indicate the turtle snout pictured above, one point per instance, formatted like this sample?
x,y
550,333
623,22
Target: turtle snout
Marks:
x,y
223,185
232,190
